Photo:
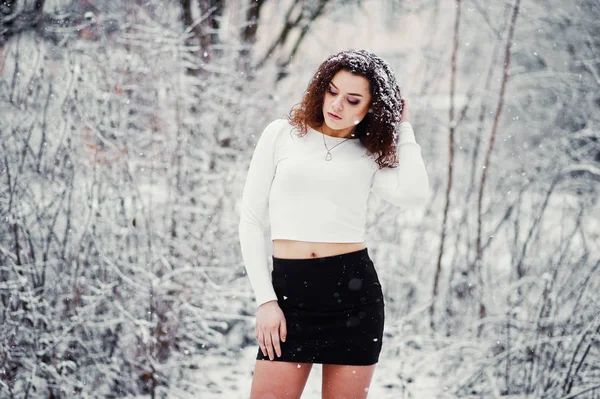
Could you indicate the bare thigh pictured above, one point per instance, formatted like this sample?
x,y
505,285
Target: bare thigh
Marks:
x,y
346,382
279,380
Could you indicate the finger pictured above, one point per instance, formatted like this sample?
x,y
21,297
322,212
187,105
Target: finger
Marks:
x,y
283,330
261,342
269,345
276,344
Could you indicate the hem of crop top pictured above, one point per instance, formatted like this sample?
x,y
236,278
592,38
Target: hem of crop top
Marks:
x,y
341,240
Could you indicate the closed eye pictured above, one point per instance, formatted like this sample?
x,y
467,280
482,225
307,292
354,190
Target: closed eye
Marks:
x,y
332,91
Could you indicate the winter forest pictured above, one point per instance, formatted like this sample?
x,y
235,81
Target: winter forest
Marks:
x,y
126,131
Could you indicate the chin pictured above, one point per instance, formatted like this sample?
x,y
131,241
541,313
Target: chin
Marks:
x,y
329,125
333,124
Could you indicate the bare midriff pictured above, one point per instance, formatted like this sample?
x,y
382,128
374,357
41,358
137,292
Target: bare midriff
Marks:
x,y
290,249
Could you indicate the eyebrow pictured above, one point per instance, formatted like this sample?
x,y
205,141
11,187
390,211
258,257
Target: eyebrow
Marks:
x,y
352,94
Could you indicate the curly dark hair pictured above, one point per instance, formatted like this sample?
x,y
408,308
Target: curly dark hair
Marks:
x,y
377,131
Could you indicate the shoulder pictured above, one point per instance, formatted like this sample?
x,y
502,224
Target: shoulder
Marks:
x,y
272,128
276,128
278,125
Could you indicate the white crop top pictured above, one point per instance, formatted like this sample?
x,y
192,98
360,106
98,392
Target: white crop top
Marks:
x,y
307,198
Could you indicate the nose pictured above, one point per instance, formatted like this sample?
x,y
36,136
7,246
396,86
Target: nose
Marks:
x,y
337,103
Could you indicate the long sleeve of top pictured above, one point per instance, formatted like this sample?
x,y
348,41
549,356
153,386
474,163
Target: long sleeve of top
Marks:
x,y
308,196
407,185
254,215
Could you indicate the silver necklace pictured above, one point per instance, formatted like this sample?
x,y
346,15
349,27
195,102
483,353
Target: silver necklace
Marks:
x,y
328,155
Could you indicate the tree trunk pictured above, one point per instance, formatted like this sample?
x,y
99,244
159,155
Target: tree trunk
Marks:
x,y
476,266
252,17
438,269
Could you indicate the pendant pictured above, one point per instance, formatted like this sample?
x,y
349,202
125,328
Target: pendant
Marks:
x,y
328,156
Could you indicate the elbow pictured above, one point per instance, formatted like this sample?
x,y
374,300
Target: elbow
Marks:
x,y
248,224
417,197
422,193
422,197
245,226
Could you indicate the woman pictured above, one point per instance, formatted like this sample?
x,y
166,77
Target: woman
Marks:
x,y
311,175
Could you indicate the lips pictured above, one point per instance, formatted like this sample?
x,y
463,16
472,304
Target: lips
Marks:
x,y
334,116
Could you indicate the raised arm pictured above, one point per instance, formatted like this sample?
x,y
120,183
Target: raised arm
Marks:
x,y
255,213
407,185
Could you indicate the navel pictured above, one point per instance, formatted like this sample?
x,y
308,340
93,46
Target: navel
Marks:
x,y
314,255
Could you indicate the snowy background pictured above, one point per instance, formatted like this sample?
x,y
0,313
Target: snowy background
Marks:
x,y
126,130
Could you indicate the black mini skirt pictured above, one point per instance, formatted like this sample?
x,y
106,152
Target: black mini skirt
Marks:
x,y
333,307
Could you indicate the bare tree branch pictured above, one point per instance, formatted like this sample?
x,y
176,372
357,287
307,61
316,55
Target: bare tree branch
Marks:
x,y
453,75
476,266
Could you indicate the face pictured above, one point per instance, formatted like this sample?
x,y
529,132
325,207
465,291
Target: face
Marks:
x,y
346,101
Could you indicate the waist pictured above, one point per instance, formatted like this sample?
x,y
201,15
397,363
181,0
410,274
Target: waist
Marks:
x,y
292,249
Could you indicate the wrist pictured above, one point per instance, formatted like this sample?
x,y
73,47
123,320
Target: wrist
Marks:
x,y
268,303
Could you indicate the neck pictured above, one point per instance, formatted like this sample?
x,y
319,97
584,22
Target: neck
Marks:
x,y
342,134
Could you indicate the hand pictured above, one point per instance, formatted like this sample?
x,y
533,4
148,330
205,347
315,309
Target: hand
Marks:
x,y
270,328
406,115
